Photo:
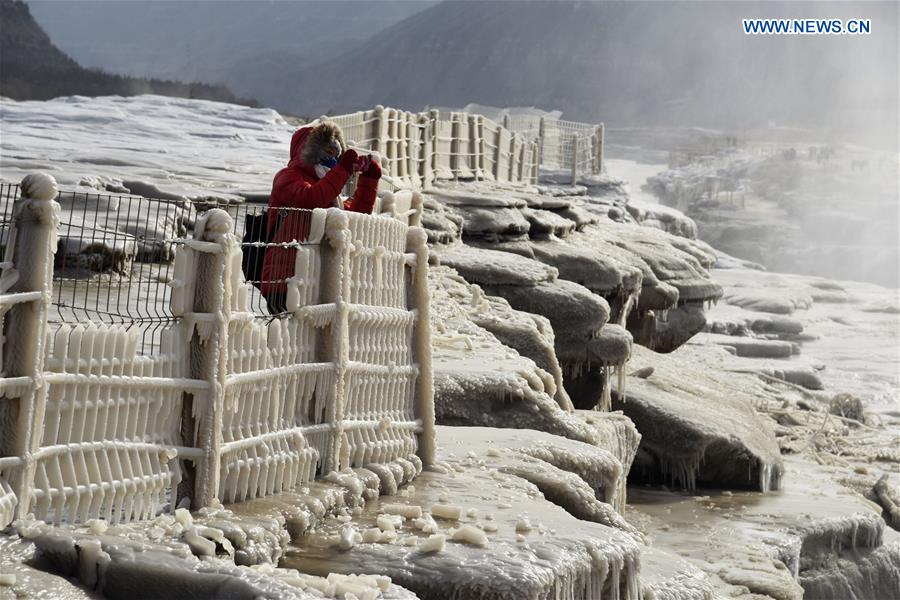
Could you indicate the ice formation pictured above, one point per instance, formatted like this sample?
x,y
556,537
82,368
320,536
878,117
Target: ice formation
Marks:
x,y
568,559
548,299
699,424
479,381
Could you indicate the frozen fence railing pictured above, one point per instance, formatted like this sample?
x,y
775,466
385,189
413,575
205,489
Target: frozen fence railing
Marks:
x,y
563,144
114,254
226,405
416,149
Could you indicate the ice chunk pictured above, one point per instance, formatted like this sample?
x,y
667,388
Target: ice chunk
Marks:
x,y
446,511
469,534
433,543
407,511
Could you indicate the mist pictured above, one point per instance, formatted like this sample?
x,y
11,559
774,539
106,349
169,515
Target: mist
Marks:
x,y
628,63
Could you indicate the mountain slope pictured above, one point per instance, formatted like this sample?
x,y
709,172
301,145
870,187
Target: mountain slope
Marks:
x,y
32,68
681,63
241,44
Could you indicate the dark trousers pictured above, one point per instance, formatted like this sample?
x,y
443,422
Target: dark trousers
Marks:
x,y
277,302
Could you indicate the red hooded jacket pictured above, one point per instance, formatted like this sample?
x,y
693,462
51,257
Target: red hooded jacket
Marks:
x,y
298,186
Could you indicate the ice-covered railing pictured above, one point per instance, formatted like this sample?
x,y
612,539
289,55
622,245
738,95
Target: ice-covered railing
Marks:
x,y
224,404
562,144
417,149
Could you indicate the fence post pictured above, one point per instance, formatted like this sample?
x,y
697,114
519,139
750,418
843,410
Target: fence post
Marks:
x,y
599,134
498,148
536,164
417,243
426,149
213,243
433,117
574,159
542,131
476,150
380,132
454,145
33,243
512,156
337,290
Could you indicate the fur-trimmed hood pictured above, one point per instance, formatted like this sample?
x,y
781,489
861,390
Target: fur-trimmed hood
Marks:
x,y
308,144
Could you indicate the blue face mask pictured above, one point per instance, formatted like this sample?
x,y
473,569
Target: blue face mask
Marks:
x,y
328,161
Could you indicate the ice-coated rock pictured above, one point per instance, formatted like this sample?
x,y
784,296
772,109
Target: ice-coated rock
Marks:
x,y
482,266
121,569
815,539
479,381
662,217
442,224
602,273
575,313
560,557
586,480
698,424
750,347
531,335
546,223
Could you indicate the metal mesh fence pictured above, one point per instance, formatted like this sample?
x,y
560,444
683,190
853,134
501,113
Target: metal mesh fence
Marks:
x,y
114,260
252,231
8,194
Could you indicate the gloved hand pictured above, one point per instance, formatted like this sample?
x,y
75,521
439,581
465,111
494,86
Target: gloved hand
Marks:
x,y
362,163
373,170
348,159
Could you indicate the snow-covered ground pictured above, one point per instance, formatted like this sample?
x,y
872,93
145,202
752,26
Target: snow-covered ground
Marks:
x,y
178,146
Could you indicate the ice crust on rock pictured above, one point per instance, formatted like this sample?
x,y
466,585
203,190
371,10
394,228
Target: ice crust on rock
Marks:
x,y
587,481
698,423
479,381
569,559
303,509
815,539
531,335
634,270
481,266
121,569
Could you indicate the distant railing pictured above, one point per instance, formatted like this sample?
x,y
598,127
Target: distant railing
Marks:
x,y
417,149
569,145
140,369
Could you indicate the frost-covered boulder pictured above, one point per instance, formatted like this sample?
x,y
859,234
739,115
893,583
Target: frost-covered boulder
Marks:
x,y
697,422
491,267
478,533
480,381
529,334
442,224
667,330
602,273
486,215
577,315
585,480
662,217
121,569
545,223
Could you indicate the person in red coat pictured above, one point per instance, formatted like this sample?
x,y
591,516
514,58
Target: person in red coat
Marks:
x,y
319,167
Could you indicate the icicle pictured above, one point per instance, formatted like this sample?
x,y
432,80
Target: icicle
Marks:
x,y
605,394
